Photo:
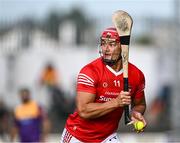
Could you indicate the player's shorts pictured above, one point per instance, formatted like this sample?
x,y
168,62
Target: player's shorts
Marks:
x,y
68,138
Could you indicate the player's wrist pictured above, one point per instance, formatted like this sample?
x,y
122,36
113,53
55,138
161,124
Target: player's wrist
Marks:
x,y
138,109
114,103
133,112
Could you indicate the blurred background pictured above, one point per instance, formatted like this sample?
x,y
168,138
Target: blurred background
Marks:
x,y
44,44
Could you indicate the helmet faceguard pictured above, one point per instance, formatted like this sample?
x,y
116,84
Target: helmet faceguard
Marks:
x,y
111,37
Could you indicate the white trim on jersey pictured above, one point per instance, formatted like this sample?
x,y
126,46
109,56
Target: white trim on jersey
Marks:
x,y
82,74
110,30
81,78
84,79
86,83
114,72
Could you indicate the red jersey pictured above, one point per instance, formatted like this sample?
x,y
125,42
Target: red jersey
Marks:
x,y
105,83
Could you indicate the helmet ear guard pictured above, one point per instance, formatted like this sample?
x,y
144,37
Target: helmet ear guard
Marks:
x,y
100,50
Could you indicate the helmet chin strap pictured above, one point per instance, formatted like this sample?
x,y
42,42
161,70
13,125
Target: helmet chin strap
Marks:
x,y
111,62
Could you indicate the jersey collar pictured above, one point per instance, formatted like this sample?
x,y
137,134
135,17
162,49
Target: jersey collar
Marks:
x,y
113,71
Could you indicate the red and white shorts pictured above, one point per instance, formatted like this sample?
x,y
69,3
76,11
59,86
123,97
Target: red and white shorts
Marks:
x,y
68,138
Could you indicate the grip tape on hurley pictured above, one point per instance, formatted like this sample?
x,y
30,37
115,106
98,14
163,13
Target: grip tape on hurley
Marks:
x,y
124,40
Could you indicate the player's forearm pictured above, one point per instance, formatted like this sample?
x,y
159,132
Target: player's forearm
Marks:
x,y
139,105
95,110
139,108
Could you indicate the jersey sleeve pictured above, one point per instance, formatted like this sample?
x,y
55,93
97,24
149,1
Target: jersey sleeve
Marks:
x,y
87,79
140,86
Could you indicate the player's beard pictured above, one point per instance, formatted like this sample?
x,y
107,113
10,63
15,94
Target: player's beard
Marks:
x,y
113,60
109,62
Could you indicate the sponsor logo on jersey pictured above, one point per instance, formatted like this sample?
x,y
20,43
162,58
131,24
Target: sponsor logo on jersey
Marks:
x,y
112,93
103,98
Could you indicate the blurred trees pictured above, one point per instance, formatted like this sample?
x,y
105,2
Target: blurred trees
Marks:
x,y
144,39
81,23
53,22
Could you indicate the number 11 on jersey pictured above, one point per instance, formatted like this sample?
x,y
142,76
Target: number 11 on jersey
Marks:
x,y
117,83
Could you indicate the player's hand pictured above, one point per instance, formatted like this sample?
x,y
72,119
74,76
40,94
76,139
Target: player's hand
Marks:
x,y
137,116
123,99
